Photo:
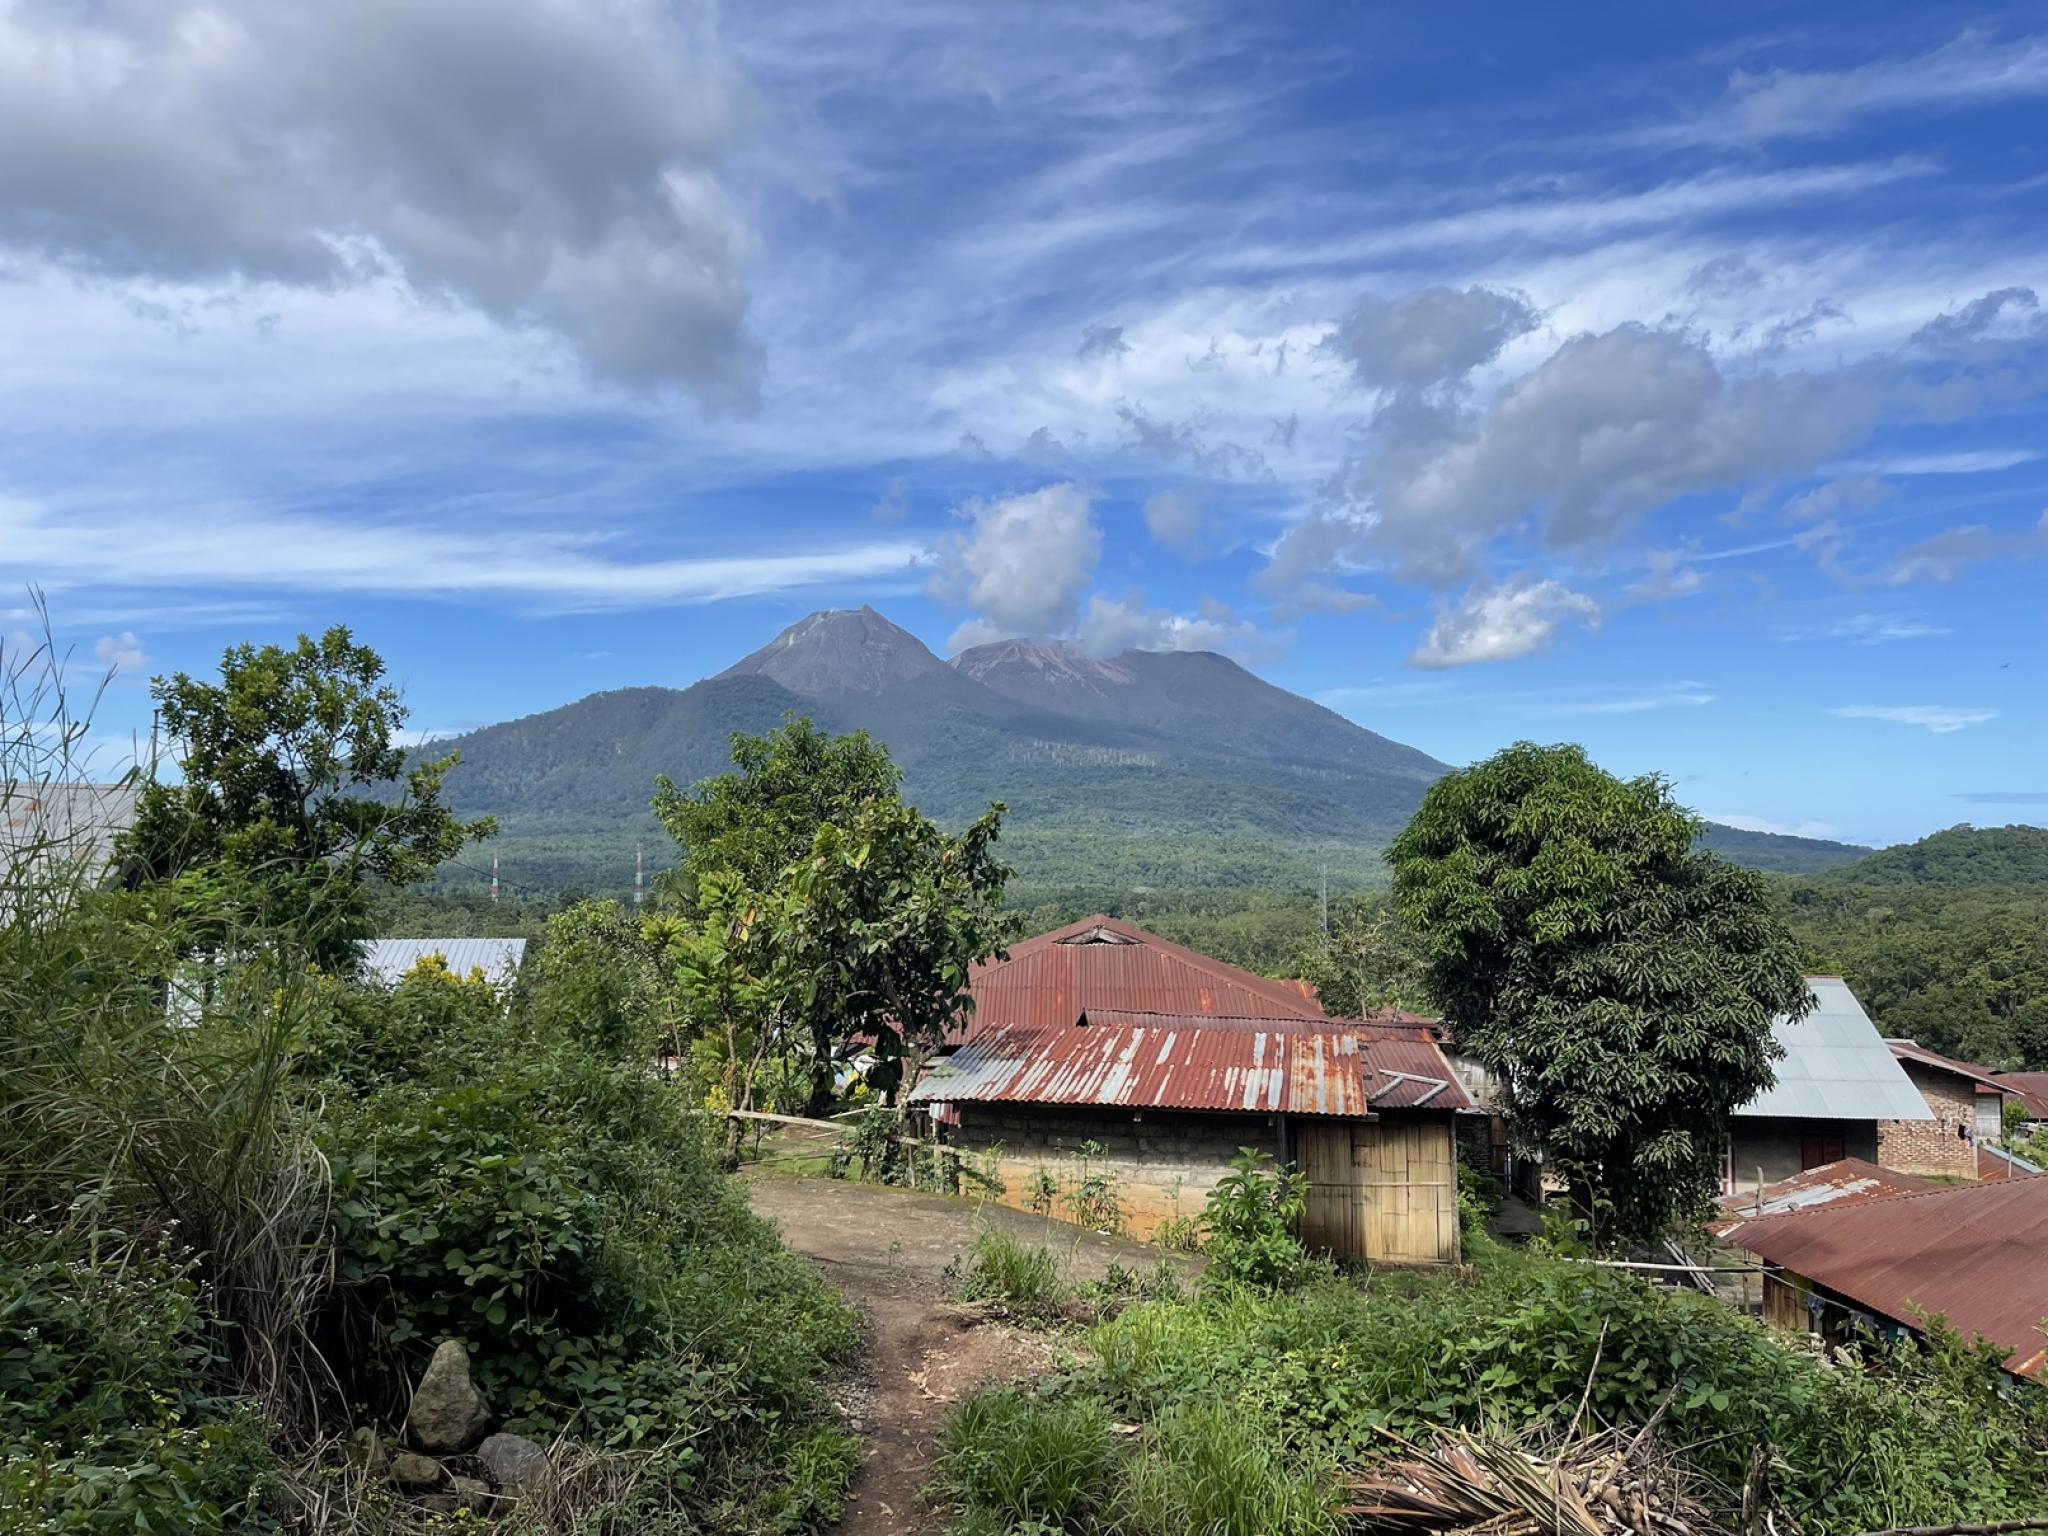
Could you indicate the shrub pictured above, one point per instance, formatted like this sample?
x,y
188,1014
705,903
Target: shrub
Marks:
x,y
1011,1461
1252,1214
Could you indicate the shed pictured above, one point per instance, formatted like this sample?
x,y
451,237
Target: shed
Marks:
x,y
1968,1107
1836,1082
1976,1254
1154,1104
385,961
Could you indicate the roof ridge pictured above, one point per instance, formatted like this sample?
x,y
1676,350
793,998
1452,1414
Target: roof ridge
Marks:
x,y
1278,991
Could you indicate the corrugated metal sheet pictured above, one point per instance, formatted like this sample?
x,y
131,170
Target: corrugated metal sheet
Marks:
x,y
1911,1050
385,961
1978,1254
1837,1066
1140,1059
1103,962
2032,1088
65,820
1847,1182
1997,1163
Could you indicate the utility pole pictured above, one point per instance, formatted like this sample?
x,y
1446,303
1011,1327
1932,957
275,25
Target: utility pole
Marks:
x,y
494,877
1326,899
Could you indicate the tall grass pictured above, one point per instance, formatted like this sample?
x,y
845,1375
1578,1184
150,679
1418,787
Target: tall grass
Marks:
x,y
1025,1279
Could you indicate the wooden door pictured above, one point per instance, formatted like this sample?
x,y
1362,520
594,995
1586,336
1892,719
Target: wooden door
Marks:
x,y
1385,1192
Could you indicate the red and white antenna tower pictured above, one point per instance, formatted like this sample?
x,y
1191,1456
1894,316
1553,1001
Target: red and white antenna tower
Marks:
x,y
639,873
494,877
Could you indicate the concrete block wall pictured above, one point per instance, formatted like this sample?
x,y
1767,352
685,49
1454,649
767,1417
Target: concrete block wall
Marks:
x,y
1933,1148
1164,1162
1775,1147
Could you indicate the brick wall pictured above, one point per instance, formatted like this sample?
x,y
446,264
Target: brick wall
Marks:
x,y
1164,1162
1933,1148
1775,1148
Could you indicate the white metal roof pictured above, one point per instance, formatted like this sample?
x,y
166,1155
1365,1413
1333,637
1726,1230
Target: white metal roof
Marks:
x,y
385,961
1837,1066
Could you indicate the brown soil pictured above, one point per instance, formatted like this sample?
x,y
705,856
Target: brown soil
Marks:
x,y
887,1250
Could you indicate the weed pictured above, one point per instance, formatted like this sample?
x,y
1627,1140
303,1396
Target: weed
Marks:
x,y
1023,1278
1010,1461
1092,1198
1204,1468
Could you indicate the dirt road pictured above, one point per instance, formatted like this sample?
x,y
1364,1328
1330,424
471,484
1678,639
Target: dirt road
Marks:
x,y
887,1250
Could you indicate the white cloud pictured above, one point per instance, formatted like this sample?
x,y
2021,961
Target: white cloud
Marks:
x,y
1111,625
549,164
1963,461
1430,337
1611,426
1939,718
1023,562
1772,104
231,547
1677,696
1174,518
120,653
1743,823
1670,577
1880,628
1500,623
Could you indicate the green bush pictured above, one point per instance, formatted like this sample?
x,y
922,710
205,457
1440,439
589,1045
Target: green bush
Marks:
x,y
1013,1462
1252,1214
105,1421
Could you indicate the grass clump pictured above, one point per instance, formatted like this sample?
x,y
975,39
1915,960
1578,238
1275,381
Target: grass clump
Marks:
x,y
1011,1461
1024,1279
1203,1469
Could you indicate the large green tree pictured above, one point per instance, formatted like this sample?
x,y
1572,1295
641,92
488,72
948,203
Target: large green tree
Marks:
x,y
877,912
1365,962
295,792
1620,980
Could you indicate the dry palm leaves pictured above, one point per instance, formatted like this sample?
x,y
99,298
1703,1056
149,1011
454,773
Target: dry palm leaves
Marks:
x,y
1610,1484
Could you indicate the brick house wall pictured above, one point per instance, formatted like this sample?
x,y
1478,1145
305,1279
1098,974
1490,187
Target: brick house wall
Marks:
x,y
1164,1162
1933,1148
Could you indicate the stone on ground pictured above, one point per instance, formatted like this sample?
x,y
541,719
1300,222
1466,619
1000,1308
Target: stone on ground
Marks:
x,y
514,1462
448,1413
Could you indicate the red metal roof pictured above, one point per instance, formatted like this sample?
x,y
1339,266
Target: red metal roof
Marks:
x,y
1977,1253
1156,1060
1103,962
2032,1088
1912,1050
1849,1181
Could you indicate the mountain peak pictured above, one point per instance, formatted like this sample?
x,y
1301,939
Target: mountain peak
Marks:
x,y
1025,668
839,650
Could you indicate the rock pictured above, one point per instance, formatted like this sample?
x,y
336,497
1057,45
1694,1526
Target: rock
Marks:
x,y
472,1494
412,1471
447,1413
514,1462
366,1451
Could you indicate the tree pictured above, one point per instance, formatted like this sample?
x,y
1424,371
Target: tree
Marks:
x,y
1621,981
880,929
286,803
1366,963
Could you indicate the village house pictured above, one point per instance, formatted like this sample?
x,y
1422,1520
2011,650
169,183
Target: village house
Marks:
x,y
1838,1085
1157,1064
1971,1253
1966,1103
2031,1090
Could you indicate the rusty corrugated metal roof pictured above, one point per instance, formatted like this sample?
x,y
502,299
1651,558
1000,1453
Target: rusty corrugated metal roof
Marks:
x,y
1847,1181
2031,1088
1912,1050
1142,1059
1976,1253
1104,962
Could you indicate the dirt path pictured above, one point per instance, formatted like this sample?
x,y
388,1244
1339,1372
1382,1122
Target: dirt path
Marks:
x,y
887,1250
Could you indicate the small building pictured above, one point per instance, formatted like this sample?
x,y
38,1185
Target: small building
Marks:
x,y
2031,1089
1967,1105
385,961
1975,1254
1836,1083
1102,1051
59,835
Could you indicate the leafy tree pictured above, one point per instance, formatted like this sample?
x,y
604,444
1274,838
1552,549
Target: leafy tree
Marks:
x,y
1367,963
1621,981
286,805
597,979
876,911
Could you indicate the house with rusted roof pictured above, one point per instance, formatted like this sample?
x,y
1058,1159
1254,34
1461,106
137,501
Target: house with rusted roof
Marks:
x,y
1967,1106
1109,1073
1975,1254
2031,1089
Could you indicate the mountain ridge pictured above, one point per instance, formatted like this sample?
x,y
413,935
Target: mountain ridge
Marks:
x,y
1142,770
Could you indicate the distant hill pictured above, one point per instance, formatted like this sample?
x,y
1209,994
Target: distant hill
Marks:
x,y
1960,856
1776,852
1139,771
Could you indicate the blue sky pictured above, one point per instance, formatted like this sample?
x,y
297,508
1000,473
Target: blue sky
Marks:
x,y
1670,379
